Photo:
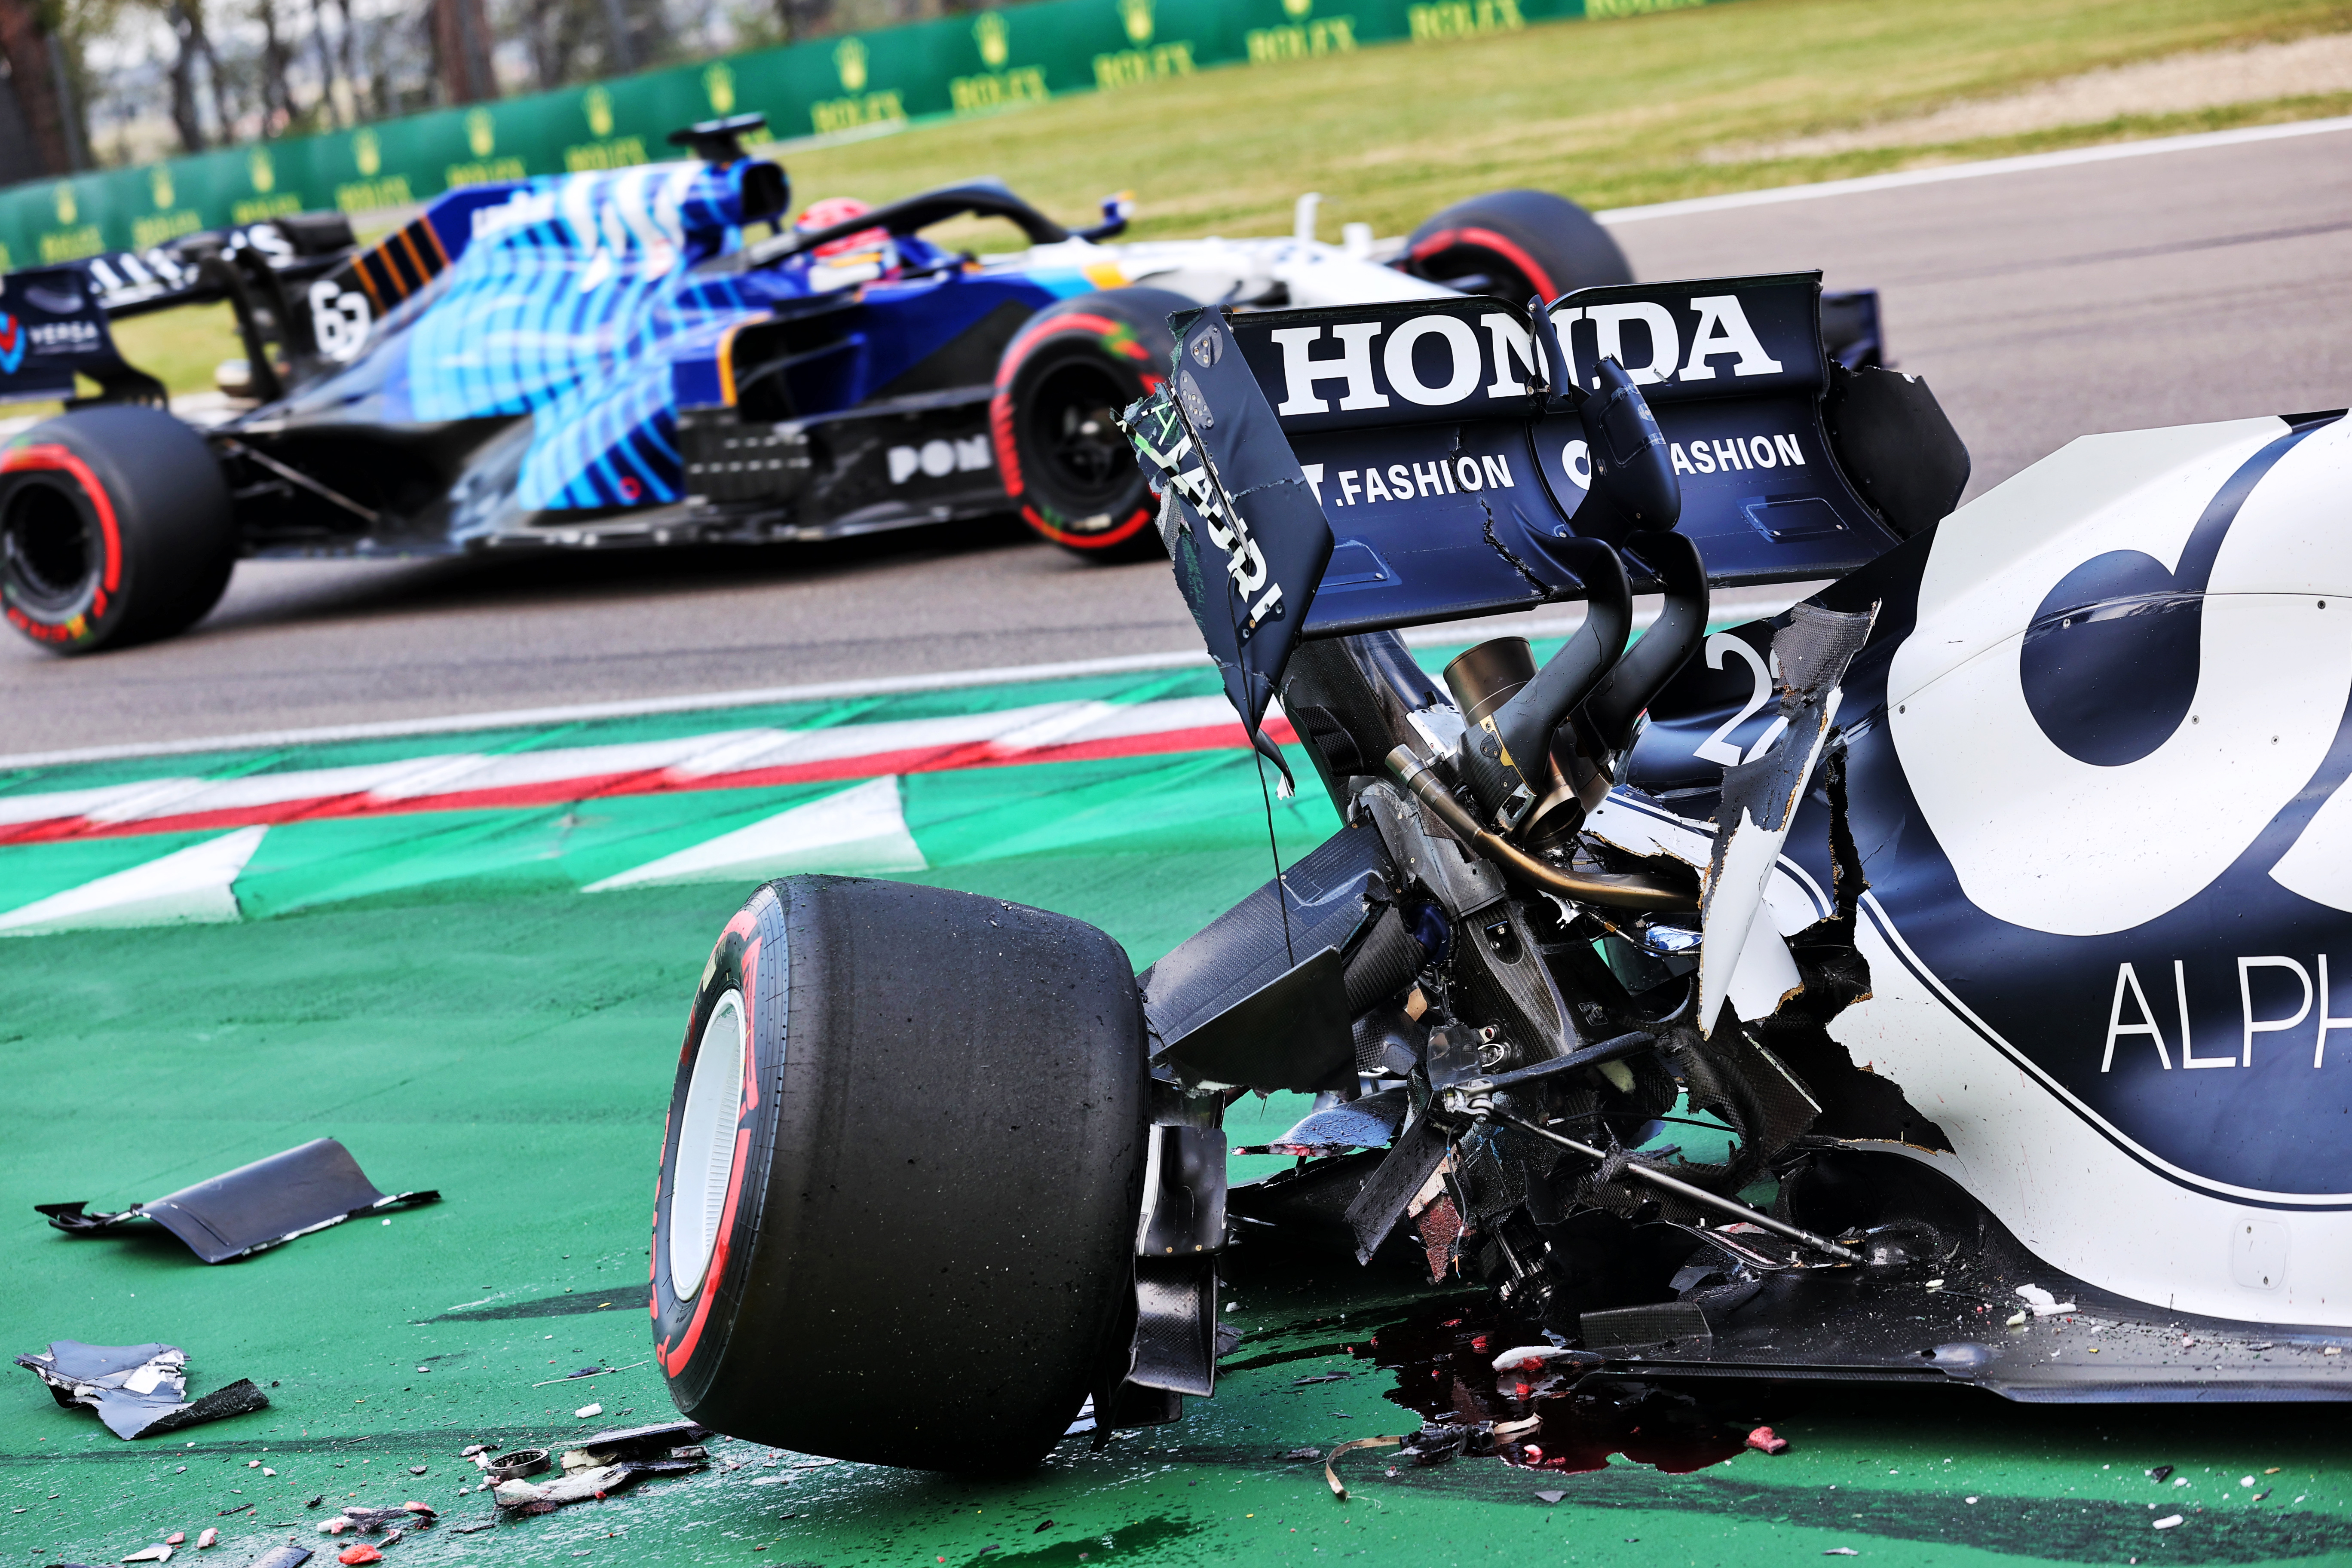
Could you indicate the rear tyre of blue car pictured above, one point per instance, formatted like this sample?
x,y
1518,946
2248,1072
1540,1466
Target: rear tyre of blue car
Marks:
x,y
1061,379
116,528
900,1185
1511,244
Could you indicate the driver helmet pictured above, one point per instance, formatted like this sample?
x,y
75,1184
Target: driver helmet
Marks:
x,y
837,210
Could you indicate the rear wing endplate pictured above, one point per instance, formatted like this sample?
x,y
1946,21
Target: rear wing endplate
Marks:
x,y
52,327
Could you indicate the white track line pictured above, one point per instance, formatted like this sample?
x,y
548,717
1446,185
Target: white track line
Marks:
x,y
948,680
2106,153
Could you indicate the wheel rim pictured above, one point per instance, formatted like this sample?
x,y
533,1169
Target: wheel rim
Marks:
x,y
1075,434
705,1146
45,540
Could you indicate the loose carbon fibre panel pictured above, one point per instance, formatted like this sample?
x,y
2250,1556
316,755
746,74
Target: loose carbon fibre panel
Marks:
x,y
1327,895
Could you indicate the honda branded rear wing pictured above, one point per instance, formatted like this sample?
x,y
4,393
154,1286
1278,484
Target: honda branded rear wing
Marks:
x,y
1451,492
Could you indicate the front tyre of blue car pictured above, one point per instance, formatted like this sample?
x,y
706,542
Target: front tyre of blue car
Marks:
x,y
1060,385
899,1182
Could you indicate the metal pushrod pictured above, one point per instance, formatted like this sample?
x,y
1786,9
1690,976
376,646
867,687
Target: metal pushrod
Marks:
x,y
1683,1189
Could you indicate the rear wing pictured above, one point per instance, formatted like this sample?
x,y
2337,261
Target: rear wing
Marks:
x,y
261,269
1450,493
52,328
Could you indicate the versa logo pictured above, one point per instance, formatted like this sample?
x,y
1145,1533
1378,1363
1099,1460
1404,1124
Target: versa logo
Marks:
x,y
11,344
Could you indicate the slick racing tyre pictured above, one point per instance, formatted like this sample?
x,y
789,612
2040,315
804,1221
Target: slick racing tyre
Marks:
x,y
901,1181
1065,465
115,528
1511,244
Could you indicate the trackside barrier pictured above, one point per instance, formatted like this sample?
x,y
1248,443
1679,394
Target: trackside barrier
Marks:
x,y
843,87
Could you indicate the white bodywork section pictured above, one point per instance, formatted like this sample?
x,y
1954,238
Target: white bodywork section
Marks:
x,y
1239,271
2044,841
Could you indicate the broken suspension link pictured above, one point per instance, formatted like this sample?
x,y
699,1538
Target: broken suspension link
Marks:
x,y
1620,1167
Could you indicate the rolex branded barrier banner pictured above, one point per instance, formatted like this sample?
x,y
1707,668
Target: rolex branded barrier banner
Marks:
x,y
976,63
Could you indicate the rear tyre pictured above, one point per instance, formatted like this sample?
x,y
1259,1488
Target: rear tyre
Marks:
x,y
1063,377
900,1181
1511,244
116,528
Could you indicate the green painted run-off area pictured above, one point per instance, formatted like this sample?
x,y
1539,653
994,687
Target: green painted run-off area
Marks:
x,y
508,1039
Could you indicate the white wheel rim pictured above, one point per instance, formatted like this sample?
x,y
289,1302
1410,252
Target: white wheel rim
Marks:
x,y
706,1147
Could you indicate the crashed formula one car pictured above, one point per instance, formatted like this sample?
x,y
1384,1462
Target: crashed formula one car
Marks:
x,y
1987,899
605,360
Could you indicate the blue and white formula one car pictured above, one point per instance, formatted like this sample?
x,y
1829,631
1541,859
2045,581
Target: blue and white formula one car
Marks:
x,y
1933,984
606,359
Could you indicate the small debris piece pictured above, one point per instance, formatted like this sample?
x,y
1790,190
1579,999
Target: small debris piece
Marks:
x,y
1330,1472
211,1537
253,1206
2258,1496
1327,1377
2333,1349
1764,1440
1049,1523
2160,1473
286,1556
152,1554
417,1469
226,1512
253,1463
426,1508
489,1523
2016,1319
2169,1521
267,1472
175,1538
1550,1497
514,1466
2245,1481
2272,1471
316,1500
1841,1552
585,1411
139,1390
1304,1454
470,1449
1934,1284
359,1552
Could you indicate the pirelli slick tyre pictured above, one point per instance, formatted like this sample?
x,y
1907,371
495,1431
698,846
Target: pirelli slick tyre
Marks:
x,y
1512,243
901,1181
1068,469
115,528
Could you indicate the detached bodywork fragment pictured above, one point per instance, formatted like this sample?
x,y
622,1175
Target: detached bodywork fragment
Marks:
x,y
139,1390
1790,1001
255,1207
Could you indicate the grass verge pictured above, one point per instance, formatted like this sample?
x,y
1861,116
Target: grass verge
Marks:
x,y
1614,114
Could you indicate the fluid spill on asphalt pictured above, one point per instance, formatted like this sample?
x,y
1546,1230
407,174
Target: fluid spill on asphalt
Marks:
x,y
1444,1359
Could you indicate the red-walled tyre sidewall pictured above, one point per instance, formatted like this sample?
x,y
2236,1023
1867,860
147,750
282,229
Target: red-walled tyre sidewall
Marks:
x,y
926,1243
116,526
1523,241
1123,335
690,1334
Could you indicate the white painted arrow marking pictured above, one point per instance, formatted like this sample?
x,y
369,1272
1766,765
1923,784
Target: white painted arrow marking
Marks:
x,y
860,829
191,886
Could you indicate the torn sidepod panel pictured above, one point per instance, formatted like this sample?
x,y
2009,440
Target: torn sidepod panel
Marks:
x,y
253,1206
139,1390
1760,799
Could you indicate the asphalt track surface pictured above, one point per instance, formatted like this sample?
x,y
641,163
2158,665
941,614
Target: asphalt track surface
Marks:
x,y
2042,305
